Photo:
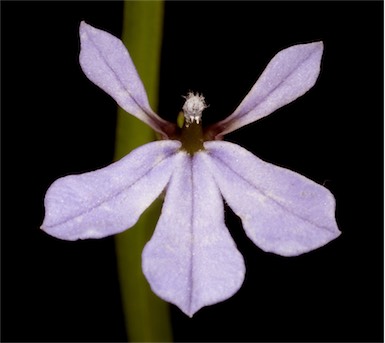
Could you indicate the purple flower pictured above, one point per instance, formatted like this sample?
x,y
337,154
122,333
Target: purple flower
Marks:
x,y
191,259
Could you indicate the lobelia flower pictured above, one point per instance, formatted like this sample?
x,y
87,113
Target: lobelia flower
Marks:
x,y
191,259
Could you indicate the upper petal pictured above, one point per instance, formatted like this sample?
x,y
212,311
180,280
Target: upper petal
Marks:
x,y
290,74
191,260
107,63
109,200
281,211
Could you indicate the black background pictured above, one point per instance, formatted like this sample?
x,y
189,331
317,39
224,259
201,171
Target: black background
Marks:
x,y
55,122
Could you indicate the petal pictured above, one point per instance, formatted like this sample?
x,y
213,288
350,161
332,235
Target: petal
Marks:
x,y
109,200
192,260
107,63
281,211
290,74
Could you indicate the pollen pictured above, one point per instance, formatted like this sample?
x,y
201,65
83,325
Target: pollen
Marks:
x,y
193,108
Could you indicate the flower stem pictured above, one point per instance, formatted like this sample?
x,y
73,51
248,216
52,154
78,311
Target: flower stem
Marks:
x,y
146,316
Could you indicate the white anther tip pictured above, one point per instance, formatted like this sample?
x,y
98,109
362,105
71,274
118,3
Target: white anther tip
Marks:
x,y
193,107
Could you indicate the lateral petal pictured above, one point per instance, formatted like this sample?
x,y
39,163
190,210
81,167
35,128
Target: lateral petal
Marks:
x,y
109,200
281,211
191,259
107,63
290,74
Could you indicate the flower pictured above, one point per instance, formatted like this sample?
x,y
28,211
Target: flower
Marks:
x,y
191,259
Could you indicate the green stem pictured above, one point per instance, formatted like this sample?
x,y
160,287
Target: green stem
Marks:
x,y
146,316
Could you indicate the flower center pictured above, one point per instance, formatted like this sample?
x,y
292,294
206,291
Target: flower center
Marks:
x,y
192,134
